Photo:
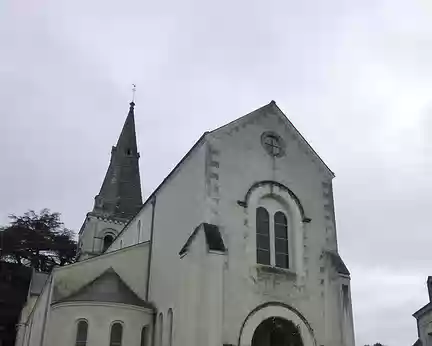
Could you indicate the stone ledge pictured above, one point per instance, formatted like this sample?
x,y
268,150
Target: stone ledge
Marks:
x,y
265,269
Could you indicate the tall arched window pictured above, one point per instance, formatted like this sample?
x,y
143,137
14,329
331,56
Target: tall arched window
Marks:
x,y
160,331
81,334
262,236
143,336
116,334
107,241
139,230
170,327
281,240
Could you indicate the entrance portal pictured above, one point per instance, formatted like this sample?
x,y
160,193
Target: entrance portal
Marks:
x,y
276,331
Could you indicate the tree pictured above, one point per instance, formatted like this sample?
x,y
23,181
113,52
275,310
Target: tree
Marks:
x,y
37,240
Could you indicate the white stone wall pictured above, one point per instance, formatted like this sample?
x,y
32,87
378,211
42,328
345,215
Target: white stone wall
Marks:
x,y
100,317
136,231
238,160
22,326
179,209
425,328
34,331
202,302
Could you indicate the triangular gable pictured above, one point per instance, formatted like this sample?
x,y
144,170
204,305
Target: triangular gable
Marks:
x,y
269,108
107,287
423,310
338,263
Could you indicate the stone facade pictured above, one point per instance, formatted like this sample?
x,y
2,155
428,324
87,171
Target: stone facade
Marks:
x,y
190,253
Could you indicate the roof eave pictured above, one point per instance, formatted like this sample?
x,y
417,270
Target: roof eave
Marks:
x,y
420,312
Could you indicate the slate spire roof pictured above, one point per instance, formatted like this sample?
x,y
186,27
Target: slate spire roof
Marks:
x,y
120,195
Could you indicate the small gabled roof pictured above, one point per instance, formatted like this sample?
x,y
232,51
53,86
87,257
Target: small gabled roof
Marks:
x,y
213,238
423,310
338,263
271,107
107,287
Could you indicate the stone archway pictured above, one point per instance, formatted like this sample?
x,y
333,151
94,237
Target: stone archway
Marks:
x,y
272,321
276,331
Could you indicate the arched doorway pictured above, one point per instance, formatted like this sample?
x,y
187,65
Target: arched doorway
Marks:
x,y
276,331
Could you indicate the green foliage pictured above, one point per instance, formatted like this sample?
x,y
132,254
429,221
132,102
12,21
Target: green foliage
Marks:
x,y
37,240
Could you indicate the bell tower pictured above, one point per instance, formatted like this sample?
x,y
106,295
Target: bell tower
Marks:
x,y
119,198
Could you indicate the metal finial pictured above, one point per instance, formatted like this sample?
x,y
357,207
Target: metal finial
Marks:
x,y
133,92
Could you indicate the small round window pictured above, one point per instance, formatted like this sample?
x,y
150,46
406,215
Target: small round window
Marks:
x,y
273,144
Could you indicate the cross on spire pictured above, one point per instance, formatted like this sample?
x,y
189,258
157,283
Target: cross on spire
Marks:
x,y
133,92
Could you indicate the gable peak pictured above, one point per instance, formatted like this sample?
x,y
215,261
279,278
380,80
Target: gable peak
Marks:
x,y
270,109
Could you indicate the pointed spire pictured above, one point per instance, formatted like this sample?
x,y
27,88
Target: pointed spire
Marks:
x,y
127,138
120,194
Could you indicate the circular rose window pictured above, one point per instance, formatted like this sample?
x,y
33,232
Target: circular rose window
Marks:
x,y
273,144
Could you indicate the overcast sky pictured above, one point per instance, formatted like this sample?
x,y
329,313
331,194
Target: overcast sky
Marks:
x,y
355,77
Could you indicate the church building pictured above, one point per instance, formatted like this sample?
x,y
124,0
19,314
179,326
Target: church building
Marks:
x,y
236,247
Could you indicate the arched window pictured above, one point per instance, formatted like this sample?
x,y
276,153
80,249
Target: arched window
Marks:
x,y
139,230
272,236
81,334
160,331
107,241
116,334
281,240
121,244
263,236
170,327
144,336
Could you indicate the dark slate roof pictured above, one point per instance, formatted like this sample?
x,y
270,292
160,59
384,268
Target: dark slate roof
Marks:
x,y
108,287
37,282
338,263
423,310
120,194
213,238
